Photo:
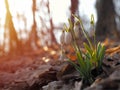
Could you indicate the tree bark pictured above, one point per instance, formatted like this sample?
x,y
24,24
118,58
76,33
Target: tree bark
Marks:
x,y
74,8
33,34
106,25
53,39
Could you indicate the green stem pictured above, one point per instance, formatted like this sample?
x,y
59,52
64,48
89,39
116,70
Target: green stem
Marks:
x,y
84,32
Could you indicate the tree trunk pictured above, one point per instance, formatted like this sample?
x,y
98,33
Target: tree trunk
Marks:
x,y
106,25
53,39
10,32
74,8
33,34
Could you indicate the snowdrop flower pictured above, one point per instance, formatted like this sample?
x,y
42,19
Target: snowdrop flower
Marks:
x,y
68,38
62,38
92,21
77,30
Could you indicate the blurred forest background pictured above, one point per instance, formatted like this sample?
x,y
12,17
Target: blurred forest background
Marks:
x,y
27,25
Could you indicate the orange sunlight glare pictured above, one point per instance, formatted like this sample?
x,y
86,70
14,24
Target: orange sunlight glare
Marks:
x,y
2,19
21,7
24,8
59,11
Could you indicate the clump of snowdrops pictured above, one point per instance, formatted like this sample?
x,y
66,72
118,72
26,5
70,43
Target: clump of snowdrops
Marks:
x,y
86,61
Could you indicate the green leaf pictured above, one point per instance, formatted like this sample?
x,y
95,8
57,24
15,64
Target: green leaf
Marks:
x,y
76,67
98,49
88,48
80,60
87,56
88,65
102,52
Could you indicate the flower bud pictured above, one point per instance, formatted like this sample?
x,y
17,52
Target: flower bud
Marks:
x,y
77,31
92,19
62,38
68,38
